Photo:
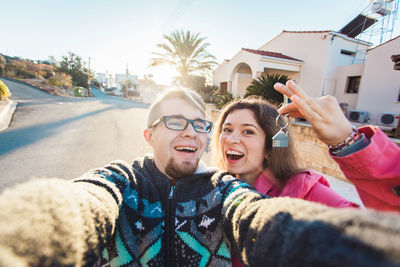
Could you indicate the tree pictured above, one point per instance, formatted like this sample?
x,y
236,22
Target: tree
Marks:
x,y
185,51
264,87
73,66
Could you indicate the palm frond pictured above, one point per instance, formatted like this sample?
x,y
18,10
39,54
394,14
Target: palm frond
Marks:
x,y
184,50
264,87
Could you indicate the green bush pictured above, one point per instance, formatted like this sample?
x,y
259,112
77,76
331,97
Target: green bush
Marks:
x,y
78,91
224,99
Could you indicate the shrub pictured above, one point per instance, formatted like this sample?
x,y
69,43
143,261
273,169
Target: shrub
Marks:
x,y
20,69
4,92
2,65
44,70
224,99
79,91
61,79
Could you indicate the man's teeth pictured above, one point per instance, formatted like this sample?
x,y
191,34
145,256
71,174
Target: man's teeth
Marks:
x,y
186,148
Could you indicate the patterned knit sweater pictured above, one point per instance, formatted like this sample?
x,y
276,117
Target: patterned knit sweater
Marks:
x,y
134,216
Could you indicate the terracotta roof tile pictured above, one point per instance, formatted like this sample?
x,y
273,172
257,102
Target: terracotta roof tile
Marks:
x,y
270,54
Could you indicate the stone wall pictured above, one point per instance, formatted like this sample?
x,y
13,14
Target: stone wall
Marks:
x,y
311,152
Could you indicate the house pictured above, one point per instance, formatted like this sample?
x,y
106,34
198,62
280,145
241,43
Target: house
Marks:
x,y
379,90
322,63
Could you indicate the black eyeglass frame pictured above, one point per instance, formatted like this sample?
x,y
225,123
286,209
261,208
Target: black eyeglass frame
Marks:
x,y
165,118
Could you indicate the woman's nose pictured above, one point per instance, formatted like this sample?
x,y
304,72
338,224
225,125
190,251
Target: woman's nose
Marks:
x,y
233,138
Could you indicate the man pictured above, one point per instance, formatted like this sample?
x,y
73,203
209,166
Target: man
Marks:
x,y
165,210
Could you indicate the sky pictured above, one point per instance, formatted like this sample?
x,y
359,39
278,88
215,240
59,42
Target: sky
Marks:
x,y
118,33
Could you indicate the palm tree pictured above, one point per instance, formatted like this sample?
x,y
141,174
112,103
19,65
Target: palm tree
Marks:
x,y
264,87
185,51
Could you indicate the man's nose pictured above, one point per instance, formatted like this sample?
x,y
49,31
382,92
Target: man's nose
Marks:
x,y
189,131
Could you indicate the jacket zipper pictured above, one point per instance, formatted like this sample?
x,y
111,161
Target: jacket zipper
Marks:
x,y
171,192
170,227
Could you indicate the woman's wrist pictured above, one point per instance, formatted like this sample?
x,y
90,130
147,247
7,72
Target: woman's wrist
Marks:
x,y
352,138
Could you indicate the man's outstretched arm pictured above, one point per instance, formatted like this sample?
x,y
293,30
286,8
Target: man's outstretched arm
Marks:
x,y
53,222
294,232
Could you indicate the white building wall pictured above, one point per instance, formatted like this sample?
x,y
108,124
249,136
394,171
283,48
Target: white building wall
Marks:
x,y
334,59
220,74
226,71
380,84
342,74
242,80
308,47
320,52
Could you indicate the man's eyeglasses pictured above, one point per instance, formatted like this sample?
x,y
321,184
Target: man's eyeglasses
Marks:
x,y
179,123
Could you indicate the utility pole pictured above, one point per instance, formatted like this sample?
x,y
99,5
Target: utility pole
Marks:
x,y
88,79
126,82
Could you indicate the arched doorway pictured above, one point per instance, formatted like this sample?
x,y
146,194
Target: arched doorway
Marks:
x,y
241,78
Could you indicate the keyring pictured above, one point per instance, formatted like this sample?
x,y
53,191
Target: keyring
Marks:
x,y
277,121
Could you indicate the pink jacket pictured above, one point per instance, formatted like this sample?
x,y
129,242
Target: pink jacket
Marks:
x,y
306,185
375,171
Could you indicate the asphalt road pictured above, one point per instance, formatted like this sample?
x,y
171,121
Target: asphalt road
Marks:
x,y
52,136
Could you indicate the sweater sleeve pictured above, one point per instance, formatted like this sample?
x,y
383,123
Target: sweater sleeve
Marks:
x,y
54,222
375,171
293,232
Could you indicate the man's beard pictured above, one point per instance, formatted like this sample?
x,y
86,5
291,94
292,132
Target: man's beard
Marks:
x,y
176,171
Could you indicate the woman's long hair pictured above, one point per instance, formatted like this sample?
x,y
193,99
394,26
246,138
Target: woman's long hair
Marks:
x,y
280,161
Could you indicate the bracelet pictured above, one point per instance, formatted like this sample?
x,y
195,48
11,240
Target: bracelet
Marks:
x,y
351,139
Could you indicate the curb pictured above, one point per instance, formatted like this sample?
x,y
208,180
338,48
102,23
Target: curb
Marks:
x,y
6,114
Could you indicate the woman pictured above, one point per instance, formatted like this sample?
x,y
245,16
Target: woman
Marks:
x,y
243,146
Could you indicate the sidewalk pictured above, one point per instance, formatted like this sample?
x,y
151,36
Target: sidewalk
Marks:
x,y
6,111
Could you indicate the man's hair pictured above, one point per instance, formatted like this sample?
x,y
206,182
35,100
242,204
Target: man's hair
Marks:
x,y
190,96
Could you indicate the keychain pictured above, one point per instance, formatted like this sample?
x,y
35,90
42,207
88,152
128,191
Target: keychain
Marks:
x,y
280,139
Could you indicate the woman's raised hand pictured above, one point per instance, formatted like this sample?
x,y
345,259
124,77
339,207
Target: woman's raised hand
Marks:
x,y
323,113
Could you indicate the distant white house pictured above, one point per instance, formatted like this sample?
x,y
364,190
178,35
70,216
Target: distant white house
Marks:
x,y
120,78
322,63
149,89
101,78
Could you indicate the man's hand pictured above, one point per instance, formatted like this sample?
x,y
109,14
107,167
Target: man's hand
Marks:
x,y
323,113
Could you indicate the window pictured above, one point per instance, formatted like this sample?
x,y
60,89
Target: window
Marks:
x,y
347,52
352,84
